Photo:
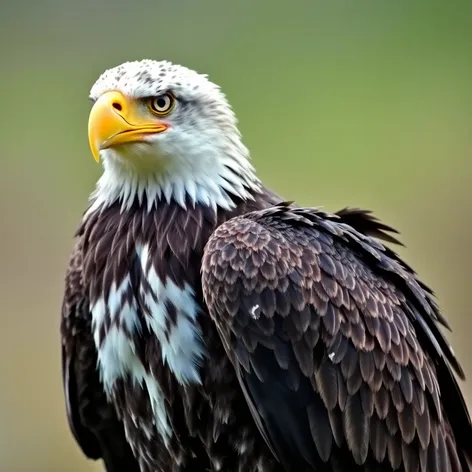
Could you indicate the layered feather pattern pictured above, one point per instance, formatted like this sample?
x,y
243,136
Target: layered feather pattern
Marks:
x,y
336,344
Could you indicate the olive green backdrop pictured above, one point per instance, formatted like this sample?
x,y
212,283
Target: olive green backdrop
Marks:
x,y
363,103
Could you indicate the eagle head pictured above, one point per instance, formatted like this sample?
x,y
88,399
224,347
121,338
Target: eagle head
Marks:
x,y
164,131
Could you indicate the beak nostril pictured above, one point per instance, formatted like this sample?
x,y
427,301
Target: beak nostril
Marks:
x,y
117,106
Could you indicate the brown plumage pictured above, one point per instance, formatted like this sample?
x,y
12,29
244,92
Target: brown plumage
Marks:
x,y
335,343
92,419
340,337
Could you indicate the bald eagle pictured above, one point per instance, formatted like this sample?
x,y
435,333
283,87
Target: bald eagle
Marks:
x,y
208,325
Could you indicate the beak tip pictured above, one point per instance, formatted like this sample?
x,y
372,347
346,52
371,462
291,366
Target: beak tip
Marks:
x,y
95,152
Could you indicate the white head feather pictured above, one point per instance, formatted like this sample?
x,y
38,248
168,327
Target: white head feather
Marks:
x,y
200,158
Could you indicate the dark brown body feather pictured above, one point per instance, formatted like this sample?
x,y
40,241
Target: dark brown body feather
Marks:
x,y
92,419
269,389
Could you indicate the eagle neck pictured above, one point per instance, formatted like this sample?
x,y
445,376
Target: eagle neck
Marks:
x,y
217,184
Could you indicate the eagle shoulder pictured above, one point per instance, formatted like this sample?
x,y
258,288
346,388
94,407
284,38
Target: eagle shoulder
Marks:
x,y
335,342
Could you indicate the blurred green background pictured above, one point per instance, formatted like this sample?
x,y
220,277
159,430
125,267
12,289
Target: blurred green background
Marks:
x,y
362,103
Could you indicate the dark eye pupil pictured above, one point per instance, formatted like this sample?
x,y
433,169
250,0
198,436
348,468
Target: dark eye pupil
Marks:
x,y
161,103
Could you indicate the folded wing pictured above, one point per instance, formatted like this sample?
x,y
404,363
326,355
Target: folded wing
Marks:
x,y
336,344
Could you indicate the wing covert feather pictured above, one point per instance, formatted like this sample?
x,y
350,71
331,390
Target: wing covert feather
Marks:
x,y
335,340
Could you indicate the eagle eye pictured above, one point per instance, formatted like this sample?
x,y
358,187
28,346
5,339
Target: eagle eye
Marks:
x,y
162,105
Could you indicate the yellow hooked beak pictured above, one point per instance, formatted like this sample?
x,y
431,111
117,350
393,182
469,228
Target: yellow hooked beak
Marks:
x,y
115,119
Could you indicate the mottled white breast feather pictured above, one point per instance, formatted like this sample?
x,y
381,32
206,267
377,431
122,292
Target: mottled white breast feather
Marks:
x,y
117,352
179,336
180,339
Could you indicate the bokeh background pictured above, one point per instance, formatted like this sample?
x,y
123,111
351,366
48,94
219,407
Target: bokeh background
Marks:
x,y
361,103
